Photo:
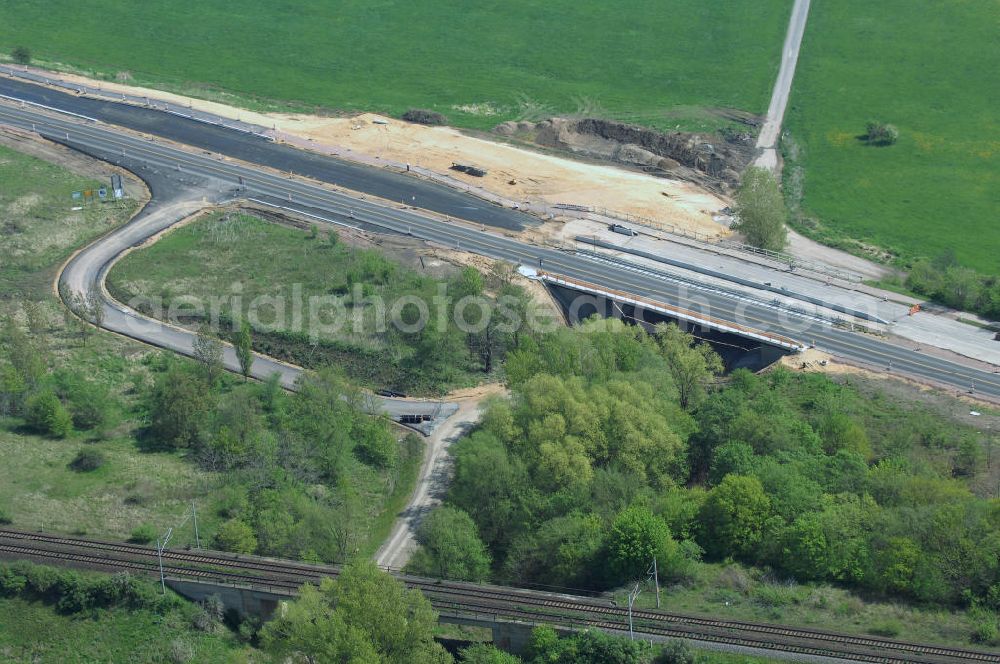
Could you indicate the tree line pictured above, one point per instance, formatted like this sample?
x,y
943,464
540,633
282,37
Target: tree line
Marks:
x,y
615,448
944,280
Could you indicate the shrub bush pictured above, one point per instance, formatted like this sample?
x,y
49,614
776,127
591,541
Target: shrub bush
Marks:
x,y
87,460
47,415
235,536
88,402
143,534
984,627
888,628
424,117
21,55
71,591
676,652
181,651
881,133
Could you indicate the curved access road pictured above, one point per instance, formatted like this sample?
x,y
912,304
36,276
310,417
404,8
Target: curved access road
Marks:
x,y
177,196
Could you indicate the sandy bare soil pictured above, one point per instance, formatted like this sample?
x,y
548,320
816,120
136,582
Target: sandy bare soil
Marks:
x,y
815,360
515,173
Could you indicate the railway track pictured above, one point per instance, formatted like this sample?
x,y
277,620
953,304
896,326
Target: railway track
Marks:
x,y
455,598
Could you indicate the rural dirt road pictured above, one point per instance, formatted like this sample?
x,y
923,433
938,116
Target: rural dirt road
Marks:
x,y
767,140
432,482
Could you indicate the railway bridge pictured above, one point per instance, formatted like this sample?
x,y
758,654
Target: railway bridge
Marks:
x,y
255,585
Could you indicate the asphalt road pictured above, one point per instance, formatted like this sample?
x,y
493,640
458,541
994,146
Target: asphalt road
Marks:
x,y
254,149
338,207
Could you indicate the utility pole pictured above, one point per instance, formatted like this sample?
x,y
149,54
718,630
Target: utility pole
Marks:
x,y
161,544
197,538
656,582
632,596
989,444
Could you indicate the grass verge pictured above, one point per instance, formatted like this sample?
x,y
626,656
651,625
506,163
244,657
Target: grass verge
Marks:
x,y
107,635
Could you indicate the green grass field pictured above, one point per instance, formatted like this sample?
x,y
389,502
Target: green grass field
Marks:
x,y
655,62
38,231
34,632
734,592
930,69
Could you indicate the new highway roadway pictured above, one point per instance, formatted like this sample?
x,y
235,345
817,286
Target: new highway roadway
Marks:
x,y
454,220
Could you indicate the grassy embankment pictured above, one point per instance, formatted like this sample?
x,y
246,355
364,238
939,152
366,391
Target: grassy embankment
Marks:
x,y
659,63
109,635
220,255
41,491
927,68
139,482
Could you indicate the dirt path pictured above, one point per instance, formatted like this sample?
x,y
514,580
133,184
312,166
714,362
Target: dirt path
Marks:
x,y
803,247
434,475
767,140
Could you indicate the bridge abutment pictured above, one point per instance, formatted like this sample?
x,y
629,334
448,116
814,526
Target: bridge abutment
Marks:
x,y
244,601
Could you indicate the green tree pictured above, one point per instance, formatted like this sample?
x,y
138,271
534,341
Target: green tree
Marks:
x,y
47,415
959,288
21,55
693,365
12,391
450,547
374,444
363,616
587,647
492,486
760,210
470,281
38,323
178,404
244,349
840,432
731,459
564,551
805,549
235,536
89,401
485,653
637,536
732,517
209,352
22,353
895,565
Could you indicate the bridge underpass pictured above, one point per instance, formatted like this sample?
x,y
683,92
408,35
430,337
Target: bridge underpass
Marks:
x,y
738,346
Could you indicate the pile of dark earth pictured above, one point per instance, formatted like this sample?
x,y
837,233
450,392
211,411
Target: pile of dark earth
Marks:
x,y
714,161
